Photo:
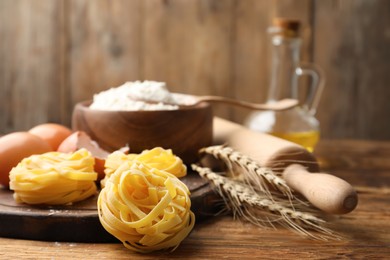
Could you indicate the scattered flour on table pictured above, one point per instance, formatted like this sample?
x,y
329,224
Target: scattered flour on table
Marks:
x,y
129,96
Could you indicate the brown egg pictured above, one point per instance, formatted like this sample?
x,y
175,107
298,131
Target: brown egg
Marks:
x,y
16,146
52,133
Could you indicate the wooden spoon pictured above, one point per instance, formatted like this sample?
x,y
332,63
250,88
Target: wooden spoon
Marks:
x,y
185,100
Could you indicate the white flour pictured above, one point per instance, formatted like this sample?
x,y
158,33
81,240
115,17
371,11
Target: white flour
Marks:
x,y
129,97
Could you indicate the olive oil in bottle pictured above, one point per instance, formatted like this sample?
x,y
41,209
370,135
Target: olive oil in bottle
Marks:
x,y
299,124
306,139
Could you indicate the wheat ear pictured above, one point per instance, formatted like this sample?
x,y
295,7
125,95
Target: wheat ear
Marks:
x,y
261,177
259,210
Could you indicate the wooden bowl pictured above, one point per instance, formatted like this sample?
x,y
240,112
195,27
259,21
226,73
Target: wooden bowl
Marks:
x,y
185,130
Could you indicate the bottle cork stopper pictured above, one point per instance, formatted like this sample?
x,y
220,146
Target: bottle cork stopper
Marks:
x,y
286,27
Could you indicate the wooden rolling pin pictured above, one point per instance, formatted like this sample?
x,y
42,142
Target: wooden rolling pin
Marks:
x,y
299,167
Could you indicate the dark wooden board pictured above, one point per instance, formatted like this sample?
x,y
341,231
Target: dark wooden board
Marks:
x,y
80,222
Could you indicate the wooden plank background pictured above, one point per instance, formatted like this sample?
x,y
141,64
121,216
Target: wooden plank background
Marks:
x,y
54,54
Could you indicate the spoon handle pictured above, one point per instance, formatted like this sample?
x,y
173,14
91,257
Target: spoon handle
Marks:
x,y
185,100
280,105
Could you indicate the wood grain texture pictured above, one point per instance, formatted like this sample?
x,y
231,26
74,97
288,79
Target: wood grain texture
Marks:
x,y
365,230
55,54
104,45
30,63
195,58
351,44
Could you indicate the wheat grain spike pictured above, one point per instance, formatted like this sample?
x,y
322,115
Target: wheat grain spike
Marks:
x,y
260,177
256,208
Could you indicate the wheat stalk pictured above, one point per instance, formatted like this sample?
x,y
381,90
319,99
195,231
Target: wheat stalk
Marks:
x,y
252,172
244,202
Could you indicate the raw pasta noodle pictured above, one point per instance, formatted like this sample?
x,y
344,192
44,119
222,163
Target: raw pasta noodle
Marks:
x,y
146,208
54,178
164,160
116,159
156,158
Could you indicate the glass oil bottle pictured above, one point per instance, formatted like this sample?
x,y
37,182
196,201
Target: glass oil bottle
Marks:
x,y
299,124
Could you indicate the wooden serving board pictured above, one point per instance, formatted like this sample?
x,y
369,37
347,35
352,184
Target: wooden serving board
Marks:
x,y
80,222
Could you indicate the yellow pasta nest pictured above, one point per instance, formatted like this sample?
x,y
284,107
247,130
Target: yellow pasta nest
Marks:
x,y
146,208
54,178
156,158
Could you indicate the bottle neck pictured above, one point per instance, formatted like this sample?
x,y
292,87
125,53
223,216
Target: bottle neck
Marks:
x,y
284,60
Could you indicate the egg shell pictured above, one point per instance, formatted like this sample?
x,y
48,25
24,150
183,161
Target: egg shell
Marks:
x,y
52,133
80,139
16,146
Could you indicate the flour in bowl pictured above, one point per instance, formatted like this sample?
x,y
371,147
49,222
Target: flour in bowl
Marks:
x,y
129,96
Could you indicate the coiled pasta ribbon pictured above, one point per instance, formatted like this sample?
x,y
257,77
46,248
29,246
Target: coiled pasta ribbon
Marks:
x,y
54,178
146,208
156,158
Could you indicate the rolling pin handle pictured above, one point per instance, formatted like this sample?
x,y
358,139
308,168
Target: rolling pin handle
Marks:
x,y
326,192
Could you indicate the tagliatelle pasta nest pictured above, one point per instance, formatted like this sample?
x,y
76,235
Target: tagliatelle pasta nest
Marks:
x,y
156,158
146,208
54,178
164,160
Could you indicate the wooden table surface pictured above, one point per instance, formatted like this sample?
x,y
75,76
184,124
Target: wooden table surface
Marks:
x,y
366,231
